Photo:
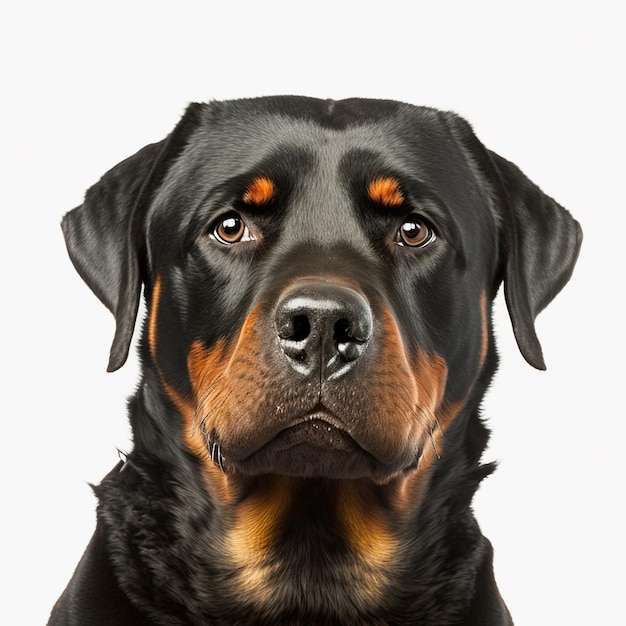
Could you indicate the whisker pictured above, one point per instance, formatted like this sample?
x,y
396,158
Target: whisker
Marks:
x,y
432,439
211,395
438,425
206,397
430,421
215,450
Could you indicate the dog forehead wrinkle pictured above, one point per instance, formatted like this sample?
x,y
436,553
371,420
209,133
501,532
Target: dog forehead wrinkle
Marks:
x,y
212,154
322,209
322,213
235,146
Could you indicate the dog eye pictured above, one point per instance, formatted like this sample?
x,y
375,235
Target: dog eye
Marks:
x,y
415,233
232,229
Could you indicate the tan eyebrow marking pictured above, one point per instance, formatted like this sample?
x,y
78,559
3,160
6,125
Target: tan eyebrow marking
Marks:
x,y
260,191
385,191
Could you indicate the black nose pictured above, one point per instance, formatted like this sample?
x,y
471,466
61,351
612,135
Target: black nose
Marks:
x,y
323,327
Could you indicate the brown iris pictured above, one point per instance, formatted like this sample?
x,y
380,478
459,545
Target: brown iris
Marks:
x,y
415,233
232,229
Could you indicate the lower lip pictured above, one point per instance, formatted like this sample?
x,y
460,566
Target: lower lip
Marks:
x,y
311,448
314,432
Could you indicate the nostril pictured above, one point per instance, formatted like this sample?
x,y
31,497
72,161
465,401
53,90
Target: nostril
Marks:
x,y
356,328
342,331
294,330
350,338
301,328
291,326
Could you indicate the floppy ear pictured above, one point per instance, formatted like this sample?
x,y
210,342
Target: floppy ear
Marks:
x,y
105,235
541,242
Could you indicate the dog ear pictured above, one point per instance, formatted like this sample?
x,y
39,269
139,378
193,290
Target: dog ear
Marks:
x,y
539,243
540,246
105,235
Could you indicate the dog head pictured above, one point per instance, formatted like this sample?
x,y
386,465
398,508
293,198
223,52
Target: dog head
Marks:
x,y
319,277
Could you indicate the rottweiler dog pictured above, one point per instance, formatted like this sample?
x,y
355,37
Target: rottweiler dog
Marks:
x,y
319,278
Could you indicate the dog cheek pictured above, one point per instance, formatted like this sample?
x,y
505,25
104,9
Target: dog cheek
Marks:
x,y
225,381
431,373
406,392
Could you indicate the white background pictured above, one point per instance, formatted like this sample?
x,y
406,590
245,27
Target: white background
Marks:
x,y
90,82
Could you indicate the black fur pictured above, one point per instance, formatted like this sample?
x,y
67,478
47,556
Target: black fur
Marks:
x,y
316,468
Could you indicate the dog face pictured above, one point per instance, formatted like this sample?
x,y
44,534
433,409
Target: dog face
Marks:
x,y
319,279
305,292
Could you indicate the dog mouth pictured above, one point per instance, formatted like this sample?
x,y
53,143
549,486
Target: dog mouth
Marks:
x,y
314,432
318,445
